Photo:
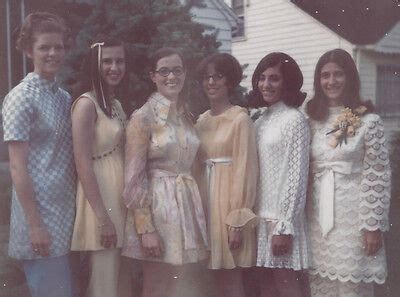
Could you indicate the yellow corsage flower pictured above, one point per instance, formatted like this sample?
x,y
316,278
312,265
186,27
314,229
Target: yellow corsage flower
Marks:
x,y
345,125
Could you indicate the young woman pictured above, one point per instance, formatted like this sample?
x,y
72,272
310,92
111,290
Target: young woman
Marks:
x,y
98,137
37,129
227,172
166,226
350,183
283,148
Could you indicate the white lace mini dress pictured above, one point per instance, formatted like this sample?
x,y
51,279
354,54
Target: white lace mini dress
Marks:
x,y
360,180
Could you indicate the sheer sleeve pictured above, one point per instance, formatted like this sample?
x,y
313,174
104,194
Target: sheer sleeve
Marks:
x,y
375,184
136,191
296,135
244,174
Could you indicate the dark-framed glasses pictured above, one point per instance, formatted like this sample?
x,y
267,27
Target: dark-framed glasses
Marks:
x,y
165,71
215,77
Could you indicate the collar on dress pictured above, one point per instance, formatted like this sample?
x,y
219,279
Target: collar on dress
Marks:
x,y
278,106
37,81
162,106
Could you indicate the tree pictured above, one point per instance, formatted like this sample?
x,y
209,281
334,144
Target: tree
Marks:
x,y
144,26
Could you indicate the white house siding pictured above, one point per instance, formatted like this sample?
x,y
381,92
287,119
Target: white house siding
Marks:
x,y
279,25
218,22
368,66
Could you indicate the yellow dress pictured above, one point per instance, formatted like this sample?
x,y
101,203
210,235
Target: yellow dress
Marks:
x,y
108,168
227,172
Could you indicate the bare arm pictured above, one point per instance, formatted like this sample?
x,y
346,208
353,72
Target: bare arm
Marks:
x,y
83,133
40,238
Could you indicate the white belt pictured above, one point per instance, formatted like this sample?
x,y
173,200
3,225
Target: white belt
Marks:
x,y
325,171
210,164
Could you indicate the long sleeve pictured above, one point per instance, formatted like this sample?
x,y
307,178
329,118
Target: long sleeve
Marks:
x,y
136,192
296,135
244,174
375,184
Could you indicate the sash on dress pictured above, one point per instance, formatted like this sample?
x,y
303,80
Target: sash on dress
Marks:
x,y
186,216
325,171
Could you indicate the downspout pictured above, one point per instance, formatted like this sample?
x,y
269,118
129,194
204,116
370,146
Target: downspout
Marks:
x,y
8,26
357,58
22,20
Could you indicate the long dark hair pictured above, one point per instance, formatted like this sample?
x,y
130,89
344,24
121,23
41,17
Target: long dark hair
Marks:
x,y
99,86
292,80
317,107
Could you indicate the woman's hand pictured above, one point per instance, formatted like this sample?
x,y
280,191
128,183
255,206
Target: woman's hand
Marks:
x,y
372,242
108,235
281,244
234,238
40,240
152,244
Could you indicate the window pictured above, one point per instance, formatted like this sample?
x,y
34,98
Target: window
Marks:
x,y
238,8
388,90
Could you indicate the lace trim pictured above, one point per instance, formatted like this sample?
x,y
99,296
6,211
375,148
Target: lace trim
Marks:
x,y
375,185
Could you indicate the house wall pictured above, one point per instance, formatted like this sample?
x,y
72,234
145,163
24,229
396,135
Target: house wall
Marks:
x,y
368,63
213,17
391,42
279,25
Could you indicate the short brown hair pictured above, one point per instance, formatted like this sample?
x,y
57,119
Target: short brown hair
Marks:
x,y
40,22
225,64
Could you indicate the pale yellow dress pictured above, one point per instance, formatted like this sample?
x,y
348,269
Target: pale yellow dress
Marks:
x,y
227,172
108,167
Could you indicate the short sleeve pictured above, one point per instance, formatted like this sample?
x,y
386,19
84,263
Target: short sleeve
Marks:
x,y
17,114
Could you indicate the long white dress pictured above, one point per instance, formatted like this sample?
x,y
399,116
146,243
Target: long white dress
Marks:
x,y
283,139
360,179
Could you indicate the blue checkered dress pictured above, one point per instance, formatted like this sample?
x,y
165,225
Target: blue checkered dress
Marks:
x,y
38,111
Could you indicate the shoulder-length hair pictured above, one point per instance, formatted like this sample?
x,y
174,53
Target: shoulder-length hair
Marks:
x,y
98,84
317,107
292,80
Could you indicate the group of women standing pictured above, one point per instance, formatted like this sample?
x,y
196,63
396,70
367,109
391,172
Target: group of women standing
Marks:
x,y
170,192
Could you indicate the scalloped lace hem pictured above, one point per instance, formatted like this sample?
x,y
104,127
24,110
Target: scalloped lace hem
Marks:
x,y
348,278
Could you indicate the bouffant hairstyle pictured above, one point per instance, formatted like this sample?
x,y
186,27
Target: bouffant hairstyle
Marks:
x,y
162,53
225,64
292,80
317,107
98,84
40,22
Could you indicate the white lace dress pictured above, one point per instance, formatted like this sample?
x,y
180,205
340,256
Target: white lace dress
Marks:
x,y
360,177
283,139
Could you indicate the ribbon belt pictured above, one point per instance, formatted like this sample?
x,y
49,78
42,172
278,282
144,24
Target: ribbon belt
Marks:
x,y
325,171
184,199
210,165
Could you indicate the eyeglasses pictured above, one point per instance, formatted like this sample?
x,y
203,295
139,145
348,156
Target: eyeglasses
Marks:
x,y
165,71
215,77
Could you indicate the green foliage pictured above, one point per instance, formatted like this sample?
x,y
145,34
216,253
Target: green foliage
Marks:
x,y
144,26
